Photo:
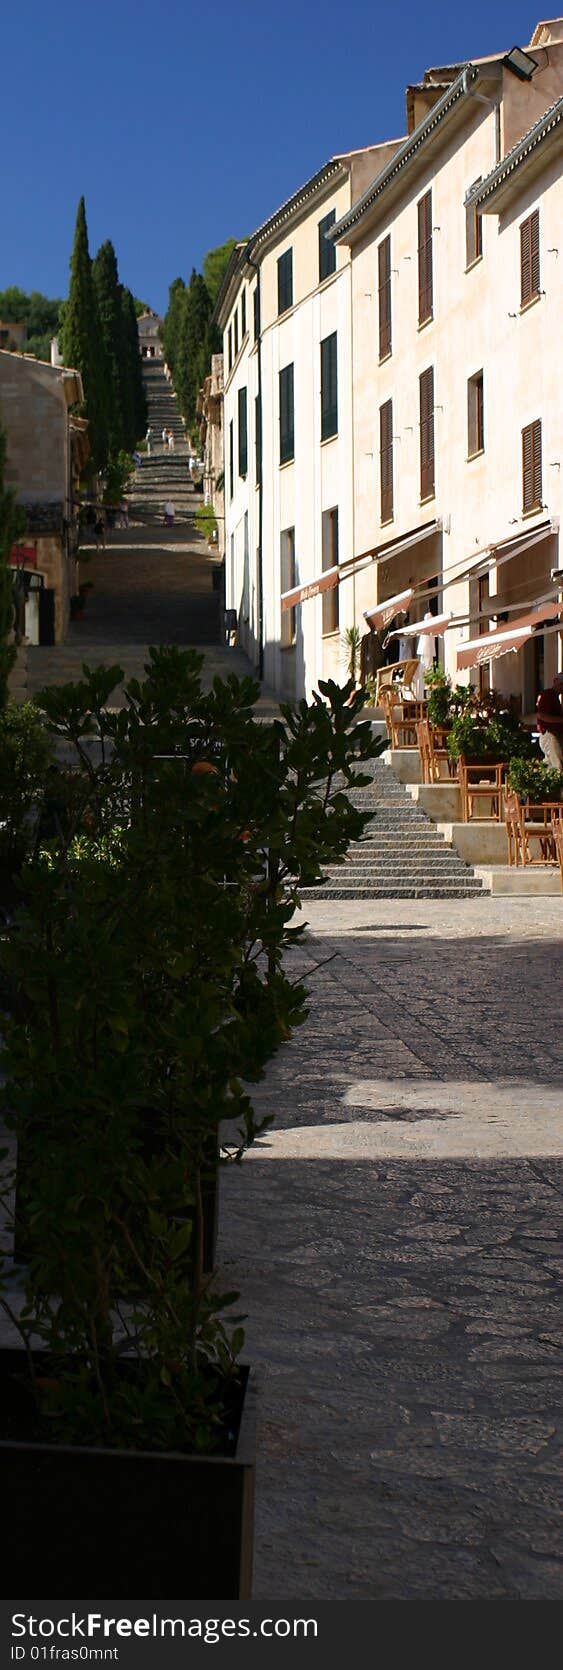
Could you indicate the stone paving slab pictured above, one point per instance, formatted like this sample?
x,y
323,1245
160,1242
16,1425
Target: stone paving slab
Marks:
x,y
404,1295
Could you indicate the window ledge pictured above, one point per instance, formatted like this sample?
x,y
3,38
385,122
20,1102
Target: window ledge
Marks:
x,y
323,282
285,462
474,263
471,456
533,510
428,498
423,323
383,358
326,440
385,521
334,633
531,302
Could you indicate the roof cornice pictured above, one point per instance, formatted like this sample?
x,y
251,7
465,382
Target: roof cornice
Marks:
x,y
459,89
488,190
247,254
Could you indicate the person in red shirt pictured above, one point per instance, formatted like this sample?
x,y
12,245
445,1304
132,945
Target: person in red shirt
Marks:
x,y
550,724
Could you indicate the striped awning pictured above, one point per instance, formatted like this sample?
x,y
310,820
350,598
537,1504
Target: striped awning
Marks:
x,y
301,594
490,645
435,625
385,612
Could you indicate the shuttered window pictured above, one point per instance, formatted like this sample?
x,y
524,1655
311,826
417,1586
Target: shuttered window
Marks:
x,y
331,617
329,387
285,281
427,473
475,415
425,290
386,460
243,316
256,306
287,431
235,325
384,291
288,581
230,342
531,466
530,258
473,233
242,432
327,250
231,459
258,440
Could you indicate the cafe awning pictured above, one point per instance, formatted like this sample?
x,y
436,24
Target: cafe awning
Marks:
x,y
490,645
434,626
301,594
385,612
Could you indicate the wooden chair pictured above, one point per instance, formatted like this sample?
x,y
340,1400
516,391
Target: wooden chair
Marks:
x,y
401,718
526,823
480,782
557,830
513,820
399,676
432,756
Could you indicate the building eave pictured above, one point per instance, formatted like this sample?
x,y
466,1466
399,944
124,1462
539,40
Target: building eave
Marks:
x,y
498,187
248,254
419,142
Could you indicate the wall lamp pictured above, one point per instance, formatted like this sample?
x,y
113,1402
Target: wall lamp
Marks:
x,y
520,63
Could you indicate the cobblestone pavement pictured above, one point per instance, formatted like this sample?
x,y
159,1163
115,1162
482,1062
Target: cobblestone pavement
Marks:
x,y
395,1240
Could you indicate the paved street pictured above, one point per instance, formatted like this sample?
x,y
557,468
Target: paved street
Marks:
x,y
395,1240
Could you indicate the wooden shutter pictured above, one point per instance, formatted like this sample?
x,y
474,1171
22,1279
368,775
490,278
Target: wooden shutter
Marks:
x,y
530,258
285,281
287,440
531,466
231,459
327,251
384,277
386,460
242,432
427,474
425,286
330,604
329,387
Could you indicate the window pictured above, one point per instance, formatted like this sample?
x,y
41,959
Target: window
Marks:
x,y
475,415
288,616
243,316
386,460
230,341
285,281
231,459
329,387
531,466
331,614
427,477
258,441
235,323
327,251
384,288
425,291
246,573
473,231
287,434
530,258
256,306
242,432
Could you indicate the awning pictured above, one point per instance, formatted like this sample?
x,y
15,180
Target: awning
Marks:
x,y
385,612
395,547
300,594
491,645
416,628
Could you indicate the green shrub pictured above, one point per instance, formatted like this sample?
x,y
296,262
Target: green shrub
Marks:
x,y
535,779
26,751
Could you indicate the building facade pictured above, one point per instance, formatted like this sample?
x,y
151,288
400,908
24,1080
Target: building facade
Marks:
x,y
47,448
210,417
392,408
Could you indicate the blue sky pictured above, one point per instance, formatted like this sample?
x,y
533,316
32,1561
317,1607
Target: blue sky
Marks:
x,y
182,132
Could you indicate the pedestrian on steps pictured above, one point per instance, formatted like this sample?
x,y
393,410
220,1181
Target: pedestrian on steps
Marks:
x,y
165,437
171,441
169,513
148,438
100,530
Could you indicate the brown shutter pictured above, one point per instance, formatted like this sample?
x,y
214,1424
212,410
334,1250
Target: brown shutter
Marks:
x,y
384,275
531,466
425,286
386,460
427,481
535,252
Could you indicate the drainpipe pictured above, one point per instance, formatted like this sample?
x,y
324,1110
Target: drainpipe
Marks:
x,y
259,459
494,104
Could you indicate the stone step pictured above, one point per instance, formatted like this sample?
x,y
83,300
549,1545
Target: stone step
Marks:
x,y
472,889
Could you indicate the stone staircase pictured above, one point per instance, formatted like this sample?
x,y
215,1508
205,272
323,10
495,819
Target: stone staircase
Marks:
x,y
164,475
401,854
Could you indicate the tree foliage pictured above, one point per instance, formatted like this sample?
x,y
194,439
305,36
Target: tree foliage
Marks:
x,y
39,313
11,528
81,342
188,336
214,266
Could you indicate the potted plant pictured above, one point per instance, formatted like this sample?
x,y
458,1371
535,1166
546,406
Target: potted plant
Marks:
x,y
149,960
532,779
487,731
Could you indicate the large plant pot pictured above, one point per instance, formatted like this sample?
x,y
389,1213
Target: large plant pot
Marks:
x,y
115,1523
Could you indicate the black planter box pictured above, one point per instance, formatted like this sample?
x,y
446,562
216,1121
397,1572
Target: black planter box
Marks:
x,y
113,1524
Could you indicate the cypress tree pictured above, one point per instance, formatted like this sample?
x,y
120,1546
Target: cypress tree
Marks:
x,y
81,343
172,323
194,345
11,527
135,405
108,297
